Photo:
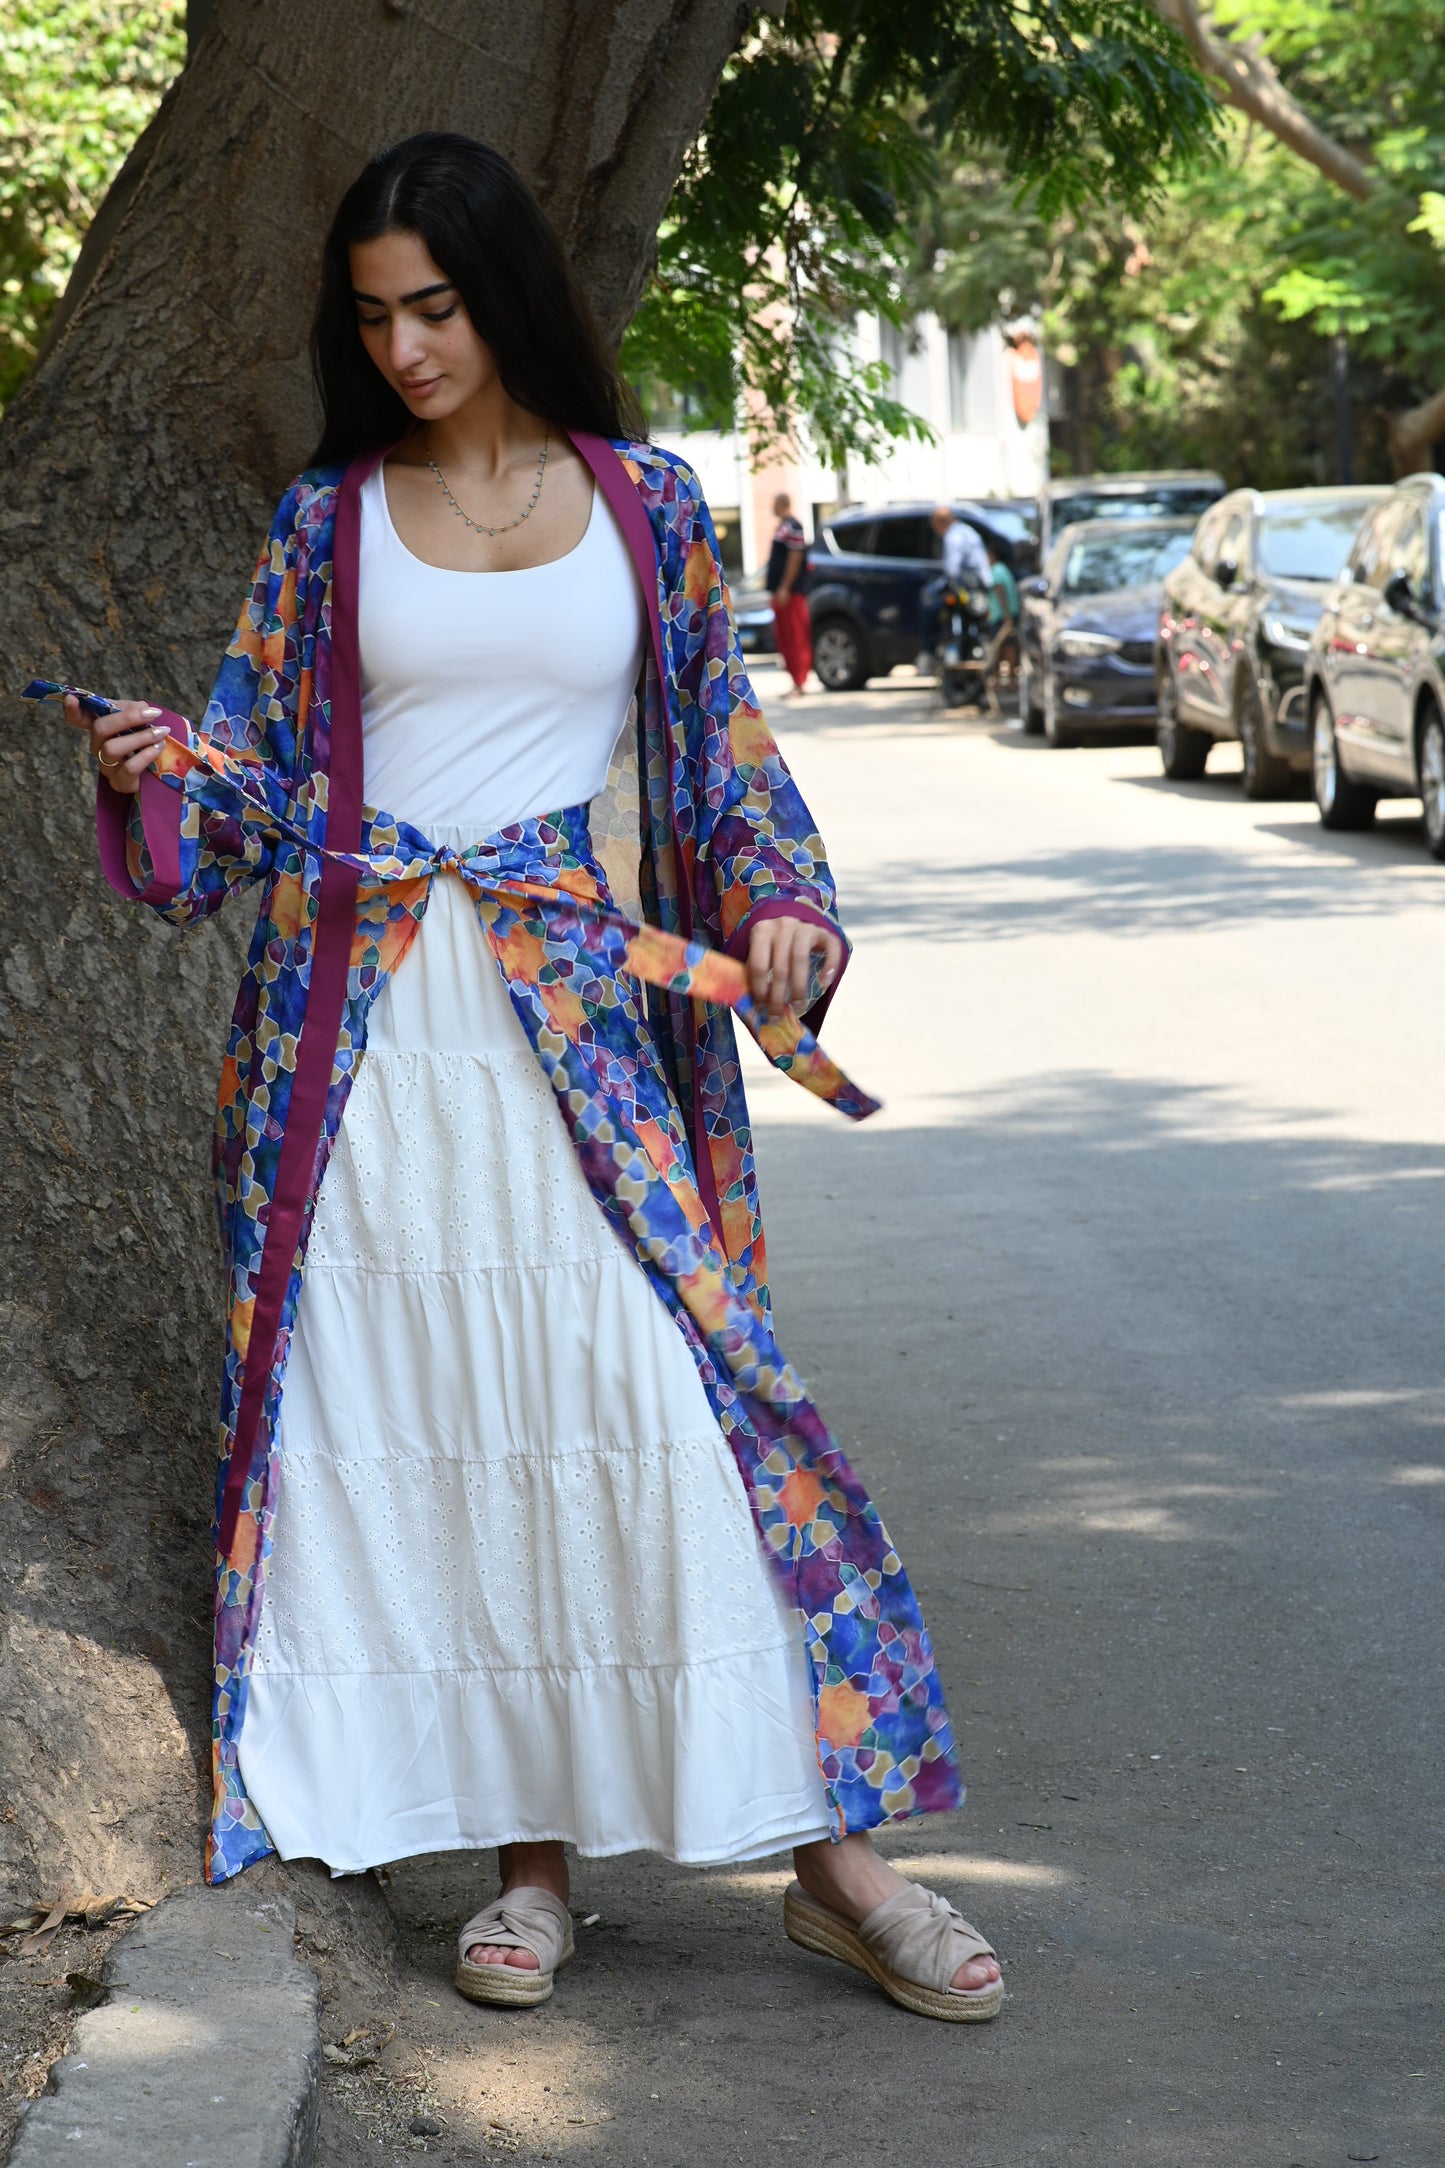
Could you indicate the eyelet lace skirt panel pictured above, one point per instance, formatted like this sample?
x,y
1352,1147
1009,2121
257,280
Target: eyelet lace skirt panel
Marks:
x,y
516,1590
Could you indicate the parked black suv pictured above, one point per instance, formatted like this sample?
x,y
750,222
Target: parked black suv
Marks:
x,y
1235,626
1375,675
867,571
1182,494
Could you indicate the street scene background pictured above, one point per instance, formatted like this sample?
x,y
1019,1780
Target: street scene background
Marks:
x,y
1127,1312
1125,1306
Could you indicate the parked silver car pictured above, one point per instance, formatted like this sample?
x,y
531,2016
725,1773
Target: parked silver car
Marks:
x,y
1375,678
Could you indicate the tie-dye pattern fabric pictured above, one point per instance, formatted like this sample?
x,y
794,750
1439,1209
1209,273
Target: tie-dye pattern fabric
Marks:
x,y
632,1025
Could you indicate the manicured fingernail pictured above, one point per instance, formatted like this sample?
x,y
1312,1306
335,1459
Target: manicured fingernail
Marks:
x,y
159,730
150,711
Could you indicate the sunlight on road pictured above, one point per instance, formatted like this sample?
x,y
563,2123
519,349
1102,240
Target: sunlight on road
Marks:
x,y
1021,915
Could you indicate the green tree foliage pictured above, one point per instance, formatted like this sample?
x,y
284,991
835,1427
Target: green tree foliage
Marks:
x,y
799,204
1172,356
795,212
1374,78
79,79
1197,329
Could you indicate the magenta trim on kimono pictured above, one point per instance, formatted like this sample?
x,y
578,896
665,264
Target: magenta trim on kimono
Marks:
x,y
160,814
341,762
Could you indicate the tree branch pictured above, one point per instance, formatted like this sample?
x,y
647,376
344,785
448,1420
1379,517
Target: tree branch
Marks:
x,y
1250,81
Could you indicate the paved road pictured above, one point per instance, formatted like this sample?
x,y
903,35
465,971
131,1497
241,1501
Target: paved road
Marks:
x,y
1129,1309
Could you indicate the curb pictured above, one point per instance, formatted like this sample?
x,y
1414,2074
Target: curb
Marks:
x,y
206,2055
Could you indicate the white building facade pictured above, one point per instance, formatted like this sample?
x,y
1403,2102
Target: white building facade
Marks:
x,y
962,384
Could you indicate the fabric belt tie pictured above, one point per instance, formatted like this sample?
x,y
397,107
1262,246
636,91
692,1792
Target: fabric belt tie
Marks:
x,y
545,864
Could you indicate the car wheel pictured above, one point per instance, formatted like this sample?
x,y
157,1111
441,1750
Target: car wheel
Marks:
x,y
1182,751
1339,802
839,656
1030,713
1057,730
1432,780
1265,774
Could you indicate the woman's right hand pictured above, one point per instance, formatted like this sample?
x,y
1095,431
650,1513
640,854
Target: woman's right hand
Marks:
x,y
125,742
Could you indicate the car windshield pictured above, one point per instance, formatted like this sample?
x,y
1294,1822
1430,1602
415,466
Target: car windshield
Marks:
x,y
1308,544
1162,500
1102,566
1013,526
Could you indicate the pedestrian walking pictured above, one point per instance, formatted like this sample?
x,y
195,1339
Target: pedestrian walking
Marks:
x,y
787,582
544,1544
1003,618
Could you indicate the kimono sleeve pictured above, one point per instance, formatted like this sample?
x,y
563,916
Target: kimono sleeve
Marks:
x,y
757,838
185,842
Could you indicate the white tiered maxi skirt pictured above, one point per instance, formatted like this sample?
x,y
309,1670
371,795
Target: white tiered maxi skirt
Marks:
x,y
516,1590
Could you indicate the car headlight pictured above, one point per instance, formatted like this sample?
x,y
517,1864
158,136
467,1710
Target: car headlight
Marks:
x,y
1087,643
1279,632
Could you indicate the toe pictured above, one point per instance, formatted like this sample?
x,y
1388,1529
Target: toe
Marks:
x,y
978,1972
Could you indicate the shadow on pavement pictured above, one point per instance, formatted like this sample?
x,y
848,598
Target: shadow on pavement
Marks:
x,y
1130,892
1155,1407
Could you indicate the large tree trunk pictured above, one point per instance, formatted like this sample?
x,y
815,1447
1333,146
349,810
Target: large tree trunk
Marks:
x,y
137,473
1415,434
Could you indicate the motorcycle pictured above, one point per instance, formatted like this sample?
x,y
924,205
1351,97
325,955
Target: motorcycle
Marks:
x,y
961,644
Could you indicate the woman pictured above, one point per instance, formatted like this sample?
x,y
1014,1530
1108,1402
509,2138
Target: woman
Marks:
x,y
554,1548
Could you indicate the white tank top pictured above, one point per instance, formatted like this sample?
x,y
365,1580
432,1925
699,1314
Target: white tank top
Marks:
x,y
490,696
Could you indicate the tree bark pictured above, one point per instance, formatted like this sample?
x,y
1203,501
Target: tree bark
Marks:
x,y
138,469
1415,434
1250,81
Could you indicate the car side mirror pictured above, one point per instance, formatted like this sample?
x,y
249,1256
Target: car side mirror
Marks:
x,y
1400,594
1038,585
1226,572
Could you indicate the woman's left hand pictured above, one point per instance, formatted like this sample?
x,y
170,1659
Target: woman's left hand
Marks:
x,y
780,955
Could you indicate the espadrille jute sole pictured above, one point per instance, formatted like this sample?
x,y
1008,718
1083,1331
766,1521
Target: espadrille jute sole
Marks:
x,y
505,1985
813,1927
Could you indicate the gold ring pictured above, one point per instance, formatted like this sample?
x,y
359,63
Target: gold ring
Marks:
x,y
109,764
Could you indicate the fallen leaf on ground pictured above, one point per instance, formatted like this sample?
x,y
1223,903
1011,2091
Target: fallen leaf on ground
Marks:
x,y
48,1926
91,1907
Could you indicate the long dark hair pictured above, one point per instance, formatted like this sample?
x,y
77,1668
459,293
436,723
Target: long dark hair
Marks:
x,y
488,233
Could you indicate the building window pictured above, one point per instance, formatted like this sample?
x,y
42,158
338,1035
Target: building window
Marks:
x,y
728,522
971,380
670,411
892,349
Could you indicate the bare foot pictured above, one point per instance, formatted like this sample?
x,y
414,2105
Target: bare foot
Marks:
x,y
852,1879
523,1866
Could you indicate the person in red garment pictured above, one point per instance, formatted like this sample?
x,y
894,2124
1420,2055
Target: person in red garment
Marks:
x,y
787,561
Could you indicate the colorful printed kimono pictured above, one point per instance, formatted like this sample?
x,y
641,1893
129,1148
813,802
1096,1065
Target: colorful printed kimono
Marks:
x,y
269,792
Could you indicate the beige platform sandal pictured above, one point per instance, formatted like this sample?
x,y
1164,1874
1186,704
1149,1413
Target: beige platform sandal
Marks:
x,y
524,1919
912,1945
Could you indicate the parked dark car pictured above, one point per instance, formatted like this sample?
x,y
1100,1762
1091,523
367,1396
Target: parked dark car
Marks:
x,y
1086,635
1375,674
866,574
1183,494
753,613
1235,627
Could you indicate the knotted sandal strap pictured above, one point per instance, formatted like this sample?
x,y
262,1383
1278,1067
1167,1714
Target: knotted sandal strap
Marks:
x,y
523,1919
912,1945
920,1936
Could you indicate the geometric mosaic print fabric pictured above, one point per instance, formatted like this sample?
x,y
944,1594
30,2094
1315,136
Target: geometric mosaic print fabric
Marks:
x,y
639,1075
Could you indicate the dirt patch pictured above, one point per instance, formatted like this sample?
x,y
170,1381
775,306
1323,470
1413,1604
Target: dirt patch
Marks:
x,y
41,1995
